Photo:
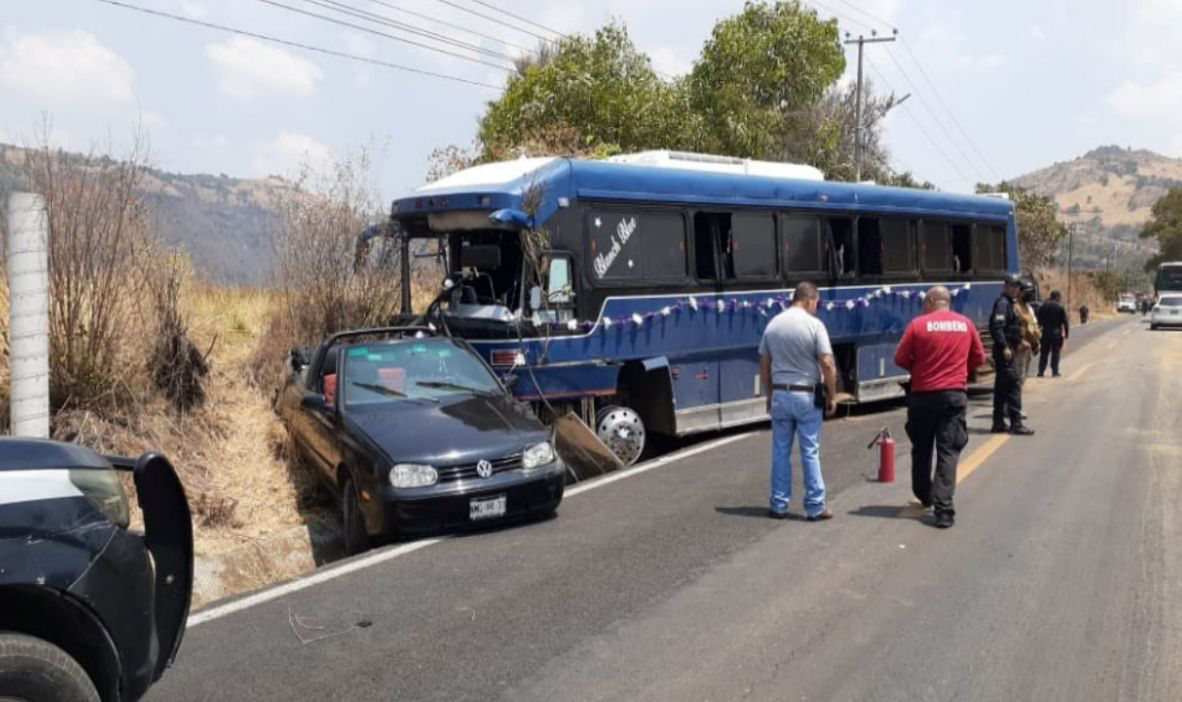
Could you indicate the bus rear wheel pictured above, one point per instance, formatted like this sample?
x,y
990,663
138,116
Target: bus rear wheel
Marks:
x,y
622,430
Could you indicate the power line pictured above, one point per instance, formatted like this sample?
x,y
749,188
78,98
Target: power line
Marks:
x,y
351,11
840,15
518,17
298,45
907,111
864,13
947,109
935,118
470,11
444,23
358,27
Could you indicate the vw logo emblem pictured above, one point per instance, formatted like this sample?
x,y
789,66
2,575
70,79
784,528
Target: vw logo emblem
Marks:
x,y
484,469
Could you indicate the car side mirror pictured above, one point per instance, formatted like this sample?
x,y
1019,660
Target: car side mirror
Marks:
x,y
314,402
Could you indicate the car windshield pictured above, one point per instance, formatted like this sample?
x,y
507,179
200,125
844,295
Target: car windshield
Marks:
x,y
413,370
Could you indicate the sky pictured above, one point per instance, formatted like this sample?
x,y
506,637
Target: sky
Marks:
x,y
996,89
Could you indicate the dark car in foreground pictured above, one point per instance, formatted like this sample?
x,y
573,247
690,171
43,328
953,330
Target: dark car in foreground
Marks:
x,y
413,432
89,609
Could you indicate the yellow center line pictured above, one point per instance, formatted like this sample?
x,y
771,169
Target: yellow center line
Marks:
x,y
974,461
1082,369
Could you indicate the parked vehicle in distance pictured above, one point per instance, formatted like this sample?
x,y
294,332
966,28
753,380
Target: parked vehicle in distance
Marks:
x,y
1168,278
1127,302
1167,312
89,609
414,432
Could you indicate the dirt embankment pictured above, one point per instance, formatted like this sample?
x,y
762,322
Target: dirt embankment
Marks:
x,y
1082,291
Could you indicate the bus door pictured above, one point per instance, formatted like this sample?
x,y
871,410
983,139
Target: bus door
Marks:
x,y
694,363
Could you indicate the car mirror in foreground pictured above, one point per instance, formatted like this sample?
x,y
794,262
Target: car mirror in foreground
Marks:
x,y
313,402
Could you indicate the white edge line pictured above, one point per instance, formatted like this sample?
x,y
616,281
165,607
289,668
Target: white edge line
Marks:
x,y
333,572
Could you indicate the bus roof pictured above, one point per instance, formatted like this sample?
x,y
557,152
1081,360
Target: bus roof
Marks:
x,y
505,184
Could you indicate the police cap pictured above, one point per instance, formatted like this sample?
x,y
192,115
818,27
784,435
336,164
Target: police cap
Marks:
x,y
1012,279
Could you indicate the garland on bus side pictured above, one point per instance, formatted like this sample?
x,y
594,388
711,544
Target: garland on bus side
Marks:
x,y
732,306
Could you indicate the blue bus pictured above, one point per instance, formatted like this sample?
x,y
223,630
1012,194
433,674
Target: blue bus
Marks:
x,y
634,292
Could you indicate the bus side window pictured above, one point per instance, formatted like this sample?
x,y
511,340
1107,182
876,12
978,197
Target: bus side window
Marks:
x,y
803,245
990,248
752,250
898,245
962,248
707,227
937,247
869,246
559,287
844,256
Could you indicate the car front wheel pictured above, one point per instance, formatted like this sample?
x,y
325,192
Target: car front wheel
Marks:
x,y
352,522
34,670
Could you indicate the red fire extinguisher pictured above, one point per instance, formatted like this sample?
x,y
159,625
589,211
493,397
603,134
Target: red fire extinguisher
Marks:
x,y
886,455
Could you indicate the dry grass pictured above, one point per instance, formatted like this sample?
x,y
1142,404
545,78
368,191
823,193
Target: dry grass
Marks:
x,y
231,453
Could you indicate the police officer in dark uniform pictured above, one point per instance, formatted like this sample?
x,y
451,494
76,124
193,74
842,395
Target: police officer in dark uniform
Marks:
x,y
1055,329
1005,328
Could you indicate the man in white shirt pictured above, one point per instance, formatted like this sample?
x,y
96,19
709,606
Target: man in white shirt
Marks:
x,y
794,357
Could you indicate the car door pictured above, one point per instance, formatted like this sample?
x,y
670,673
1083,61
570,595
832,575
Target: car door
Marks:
x,y
320,421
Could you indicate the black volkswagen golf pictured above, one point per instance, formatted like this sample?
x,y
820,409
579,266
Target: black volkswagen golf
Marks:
x,y
414,432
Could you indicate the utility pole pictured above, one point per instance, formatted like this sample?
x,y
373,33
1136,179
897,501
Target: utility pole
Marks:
x,y
861,41
1070,251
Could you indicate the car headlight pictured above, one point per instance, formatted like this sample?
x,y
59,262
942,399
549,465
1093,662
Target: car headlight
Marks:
x,y
413,475
538,455
102,487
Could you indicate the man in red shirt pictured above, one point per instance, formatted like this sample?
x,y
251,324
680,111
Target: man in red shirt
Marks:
x,y
940,348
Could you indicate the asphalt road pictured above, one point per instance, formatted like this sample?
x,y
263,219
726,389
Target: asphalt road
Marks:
x,y
670,583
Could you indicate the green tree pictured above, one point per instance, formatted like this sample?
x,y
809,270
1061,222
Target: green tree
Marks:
x,y
759,74
1165,225
1039,231
588,95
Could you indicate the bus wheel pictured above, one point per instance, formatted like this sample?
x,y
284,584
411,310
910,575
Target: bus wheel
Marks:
x,y
622,430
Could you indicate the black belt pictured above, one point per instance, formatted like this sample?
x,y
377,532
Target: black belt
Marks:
x,y
793,388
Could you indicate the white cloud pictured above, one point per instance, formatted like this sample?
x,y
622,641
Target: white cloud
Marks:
x,y
248,67
288,152
193,9
1037,33
152,119
1158,100
65,68
666,60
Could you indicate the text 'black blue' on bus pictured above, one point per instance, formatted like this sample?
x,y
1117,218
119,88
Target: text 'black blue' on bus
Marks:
x,y
634,290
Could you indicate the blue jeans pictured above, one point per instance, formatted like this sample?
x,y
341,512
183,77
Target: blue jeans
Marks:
x,y
793,414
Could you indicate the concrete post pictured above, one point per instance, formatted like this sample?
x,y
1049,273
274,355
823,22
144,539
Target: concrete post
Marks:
x,y
28,279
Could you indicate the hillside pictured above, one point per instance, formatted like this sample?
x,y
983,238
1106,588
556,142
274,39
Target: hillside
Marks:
x,y
222,222
1108,192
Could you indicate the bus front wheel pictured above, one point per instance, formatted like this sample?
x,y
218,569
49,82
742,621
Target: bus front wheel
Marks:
x,y
622,430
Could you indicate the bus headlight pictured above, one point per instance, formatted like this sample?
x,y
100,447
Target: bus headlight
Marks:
x,y
537,456
413,475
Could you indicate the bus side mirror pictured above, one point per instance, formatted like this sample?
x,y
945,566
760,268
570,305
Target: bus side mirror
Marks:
x,y
516,218
535,298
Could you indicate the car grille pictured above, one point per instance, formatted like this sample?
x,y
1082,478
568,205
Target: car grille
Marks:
x,y
468,470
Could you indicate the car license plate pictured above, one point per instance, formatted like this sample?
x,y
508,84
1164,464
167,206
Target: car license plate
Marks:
x,y
487,507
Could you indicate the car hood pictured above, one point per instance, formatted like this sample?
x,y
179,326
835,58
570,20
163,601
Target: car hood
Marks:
x,y
457,430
